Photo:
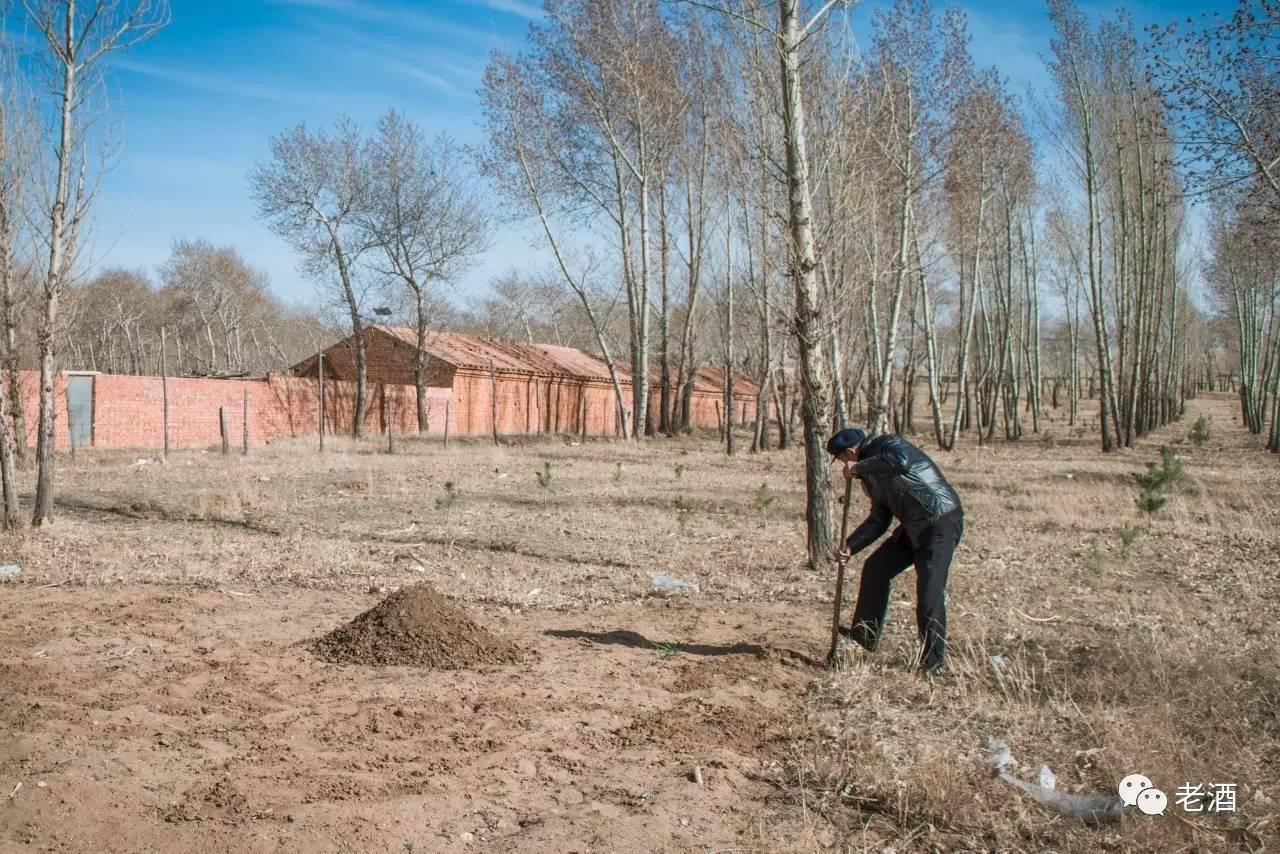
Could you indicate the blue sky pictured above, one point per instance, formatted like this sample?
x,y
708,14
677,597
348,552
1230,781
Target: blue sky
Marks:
x,y
197,104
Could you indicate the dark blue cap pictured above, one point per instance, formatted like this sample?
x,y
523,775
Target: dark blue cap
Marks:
x,y
850,437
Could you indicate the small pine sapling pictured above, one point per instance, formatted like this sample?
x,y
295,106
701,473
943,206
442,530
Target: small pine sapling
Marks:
x,y
1199,432
1156,484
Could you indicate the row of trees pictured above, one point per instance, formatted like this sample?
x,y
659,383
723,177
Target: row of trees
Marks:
x,y
738,184
884,215
213,313
1220,77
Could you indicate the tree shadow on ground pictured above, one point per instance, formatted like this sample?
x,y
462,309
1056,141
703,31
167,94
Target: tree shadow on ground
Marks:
x,y
623,637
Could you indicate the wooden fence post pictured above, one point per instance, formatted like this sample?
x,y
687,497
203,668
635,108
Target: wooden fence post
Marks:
x,y
320,376
244,426
447,405
719,421
222,426
164,389
582,391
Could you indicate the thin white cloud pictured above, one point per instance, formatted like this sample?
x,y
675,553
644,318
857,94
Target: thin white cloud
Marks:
x,y
400,16
448,72
530,11
421,75
210,83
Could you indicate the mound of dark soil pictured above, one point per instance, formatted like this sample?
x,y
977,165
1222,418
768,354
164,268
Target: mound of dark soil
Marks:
x,y
415,626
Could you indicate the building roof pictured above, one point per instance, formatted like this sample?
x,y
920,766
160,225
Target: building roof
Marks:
x,y
475,352
573,361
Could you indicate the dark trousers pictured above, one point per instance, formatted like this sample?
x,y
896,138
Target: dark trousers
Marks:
x,y
931,554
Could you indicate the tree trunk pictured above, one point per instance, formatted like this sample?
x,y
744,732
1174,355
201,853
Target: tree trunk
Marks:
x,y
8,471
815,411
12,379
420,359
43,511
357,329
55,274
966,334
930,346
884,382
579,291
728,355
664,317
640,327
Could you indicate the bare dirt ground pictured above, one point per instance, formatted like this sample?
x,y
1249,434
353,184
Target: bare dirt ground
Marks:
x,y
158,691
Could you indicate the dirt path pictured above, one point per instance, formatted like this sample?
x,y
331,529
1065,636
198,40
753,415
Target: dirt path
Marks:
x,y
143,718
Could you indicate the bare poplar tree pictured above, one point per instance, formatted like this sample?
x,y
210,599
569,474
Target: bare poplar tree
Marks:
x,y
425,217
908,111
608,73
105,329
79,34
1076,52
313,192
809,323
213,300
16,117
522,160
1244,278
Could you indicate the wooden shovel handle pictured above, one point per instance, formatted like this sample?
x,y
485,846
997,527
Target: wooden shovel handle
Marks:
x,y
844,533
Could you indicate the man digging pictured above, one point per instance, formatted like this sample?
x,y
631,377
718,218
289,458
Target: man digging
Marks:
x,y
903,483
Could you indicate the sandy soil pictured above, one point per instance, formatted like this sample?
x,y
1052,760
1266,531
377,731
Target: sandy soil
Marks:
x,y
156,676
164,720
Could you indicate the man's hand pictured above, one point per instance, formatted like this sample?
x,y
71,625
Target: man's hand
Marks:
x,y
843,556
850,469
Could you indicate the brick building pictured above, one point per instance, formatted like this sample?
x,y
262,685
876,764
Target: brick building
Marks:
x,y
540,388
527,388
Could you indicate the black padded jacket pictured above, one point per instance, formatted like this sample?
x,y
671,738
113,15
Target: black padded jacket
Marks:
x,y
903,484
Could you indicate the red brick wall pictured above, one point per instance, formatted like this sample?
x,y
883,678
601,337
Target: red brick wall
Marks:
x,y
128,410
30,382
530,404
555,405
704,404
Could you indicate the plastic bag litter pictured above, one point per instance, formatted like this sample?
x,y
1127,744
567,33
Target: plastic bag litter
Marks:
x,y
10,570
1047,778
1095,809
667,584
